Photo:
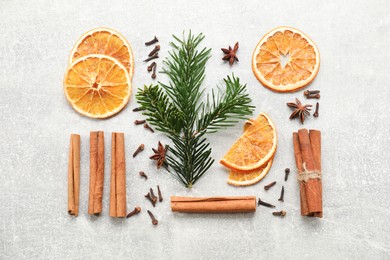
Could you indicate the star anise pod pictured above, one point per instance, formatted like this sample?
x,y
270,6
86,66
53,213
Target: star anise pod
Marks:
x,y
299,110
160,155
231,54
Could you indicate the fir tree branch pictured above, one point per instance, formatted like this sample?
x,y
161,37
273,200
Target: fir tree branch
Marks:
x,y
175,108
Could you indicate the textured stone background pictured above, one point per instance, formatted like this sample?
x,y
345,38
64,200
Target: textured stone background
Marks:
x,y
353,38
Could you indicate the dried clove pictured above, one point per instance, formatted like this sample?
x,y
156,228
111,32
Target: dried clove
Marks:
x,y
151,41
150,199
263,203
310,92
150,67
154,72
317,109
142,174
156,49
148,127
281,213
154,220
317,96
138,109
139,122
154,197
286,173
160,198
281,195
134,212
155,56
140,148
267,187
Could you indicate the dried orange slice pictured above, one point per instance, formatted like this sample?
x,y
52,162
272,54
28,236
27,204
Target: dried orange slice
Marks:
x,y
97,86
104,41
255,147
302,65
246,178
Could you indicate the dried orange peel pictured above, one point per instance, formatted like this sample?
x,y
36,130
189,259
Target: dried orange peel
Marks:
x,y
302,65
254,148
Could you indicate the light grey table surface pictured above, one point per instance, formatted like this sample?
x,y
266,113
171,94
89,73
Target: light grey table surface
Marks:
x,y
353,38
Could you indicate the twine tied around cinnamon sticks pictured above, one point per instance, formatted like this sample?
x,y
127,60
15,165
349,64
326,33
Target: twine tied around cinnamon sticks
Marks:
x,y
305,175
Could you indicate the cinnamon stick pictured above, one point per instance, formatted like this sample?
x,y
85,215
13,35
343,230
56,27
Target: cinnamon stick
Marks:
x,y
213,204
315,142
74,175
96,179
118,176
307,151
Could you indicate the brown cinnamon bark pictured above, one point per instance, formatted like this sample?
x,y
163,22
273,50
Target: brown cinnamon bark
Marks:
x,y
213,204
315,142
118,176
307,159
74,175
299,163
96,179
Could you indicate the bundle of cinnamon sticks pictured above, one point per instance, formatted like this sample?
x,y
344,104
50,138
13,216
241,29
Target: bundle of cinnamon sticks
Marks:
x,y
307,151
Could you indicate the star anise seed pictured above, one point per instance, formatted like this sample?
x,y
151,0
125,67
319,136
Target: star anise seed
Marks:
x,y
160,155
299,110
231,54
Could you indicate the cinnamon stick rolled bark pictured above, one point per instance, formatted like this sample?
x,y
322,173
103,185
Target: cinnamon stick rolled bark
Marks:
x,y
96,178
307,151
74,175
213,204
118,176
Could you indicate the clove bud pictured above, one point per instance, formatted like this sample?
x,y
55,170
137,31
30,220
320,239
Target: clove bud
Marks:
x,y
142,174
263,203
155,56
156,49
310,92
154,220
317,109
148,127
286,173
150,199
153,41
281,213
139,122
140,148
317,96
160,198
150,67
134,212
281,195
267,187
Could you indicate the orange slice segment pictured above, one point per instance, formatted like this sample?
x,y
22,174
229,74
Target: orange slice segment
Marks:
x,y
97,86
255,147
104,41
246,178
303,60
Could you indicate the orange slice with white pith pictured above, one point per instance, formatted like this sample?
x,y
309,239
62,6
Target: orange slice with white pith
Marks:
x,y
97,86
302,55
